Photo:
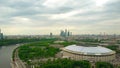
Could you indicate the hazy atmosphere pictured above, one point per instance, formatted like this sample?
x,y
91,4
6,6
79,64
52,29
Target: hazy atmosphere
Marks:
x,y
45,16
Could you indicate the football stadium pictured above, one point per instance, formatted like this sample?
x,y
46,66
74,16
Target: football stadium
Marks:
x,y
93,54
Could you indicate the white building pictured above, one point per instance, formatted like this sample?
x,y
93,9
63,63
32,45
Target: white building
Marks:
x,y
88,53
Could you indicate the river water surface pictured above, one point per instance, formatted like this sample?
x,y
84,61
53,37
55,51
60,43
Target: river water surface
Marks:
x,y
6,55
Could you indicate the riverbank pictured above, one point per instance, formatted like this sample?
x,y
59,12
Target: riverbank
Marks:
x,y
15,61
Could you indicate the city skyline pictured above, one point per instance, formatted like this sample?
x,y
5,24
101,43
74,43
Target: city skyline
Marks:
x,y
29,17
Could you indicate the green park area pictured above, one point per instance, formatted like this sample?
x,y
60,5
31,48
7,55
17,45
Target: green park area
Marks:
x,y
37,50
42,50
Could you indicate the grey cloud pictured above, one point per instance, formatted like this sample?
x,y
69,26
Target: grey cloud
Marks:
x,y
39,15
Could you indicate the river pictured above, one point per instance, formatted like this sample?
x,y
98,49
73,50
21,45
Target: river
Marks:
x,y
6,55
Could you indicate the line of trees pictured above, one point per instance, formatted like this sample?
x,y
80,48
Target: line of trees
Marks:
x,y
5,42
90,40
103,65
65,63
66,43
114,47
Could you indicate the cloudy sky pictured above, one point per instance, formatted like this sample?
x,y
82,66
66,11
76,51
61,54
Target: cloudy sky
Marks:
x,y
45,16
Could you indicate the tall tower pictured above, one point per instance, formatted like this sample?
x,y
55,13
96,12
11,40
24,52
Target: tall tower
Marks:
x,y
51,34
0,30
1,35
66,33
62,33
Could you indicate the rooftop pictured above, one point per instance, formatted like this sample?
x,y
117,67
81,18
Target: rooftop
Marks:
x,y
98,50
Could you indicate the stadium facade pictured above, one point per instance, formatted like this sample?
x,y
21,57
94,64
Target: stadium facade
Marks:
x,y
92,54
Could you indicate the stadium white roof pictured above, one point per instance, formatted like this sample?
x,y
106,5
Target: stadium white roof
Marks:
x,y
88,50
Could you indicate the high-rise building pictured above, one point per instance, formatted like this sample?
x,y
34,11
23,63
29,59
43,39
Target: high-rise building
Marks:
x,y
65,33
62,33
51,35
1,35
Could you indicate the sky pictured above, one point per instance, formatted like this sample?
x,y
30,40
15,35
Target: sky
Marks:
x,y
38,17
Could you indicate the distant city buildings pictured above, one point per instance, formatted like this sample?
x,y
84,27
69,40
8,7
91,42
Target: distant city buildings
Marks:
x,y
65,33
1,35
51,34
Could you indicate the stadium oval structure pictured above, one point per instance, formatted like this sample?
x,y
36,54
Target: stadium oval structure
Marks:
x,y
97,53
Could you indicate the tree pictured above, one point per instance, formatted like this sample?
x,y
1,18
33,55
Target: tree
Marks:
x,y
103,65
66,63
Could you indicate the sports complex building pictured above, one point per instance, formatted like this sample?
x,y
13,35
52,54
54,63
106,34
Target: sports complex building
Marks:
x,y
92,54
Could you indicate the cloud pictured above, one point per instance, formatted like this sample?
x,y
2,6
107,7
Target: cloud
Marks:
x,y
44,16
68,14
54,3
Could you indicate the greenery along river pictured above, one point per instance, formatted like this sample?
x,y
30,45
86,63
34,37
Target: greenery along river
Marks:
x,y
6,42
7,46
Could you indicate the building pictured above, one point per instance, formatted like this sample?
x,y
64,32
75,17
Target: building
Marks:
x,y
1,35
65,33
51,34
92,54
